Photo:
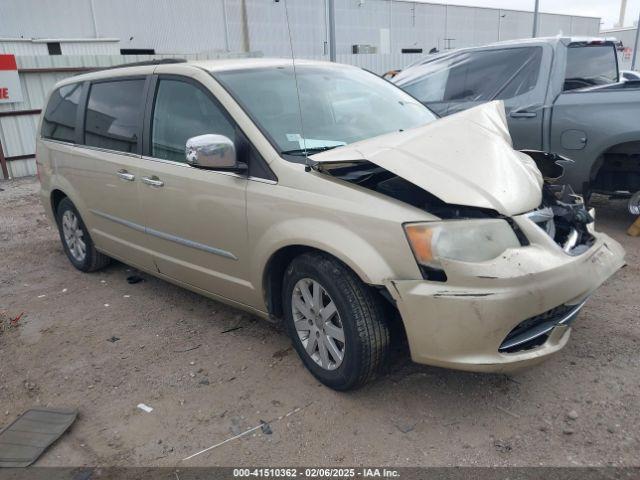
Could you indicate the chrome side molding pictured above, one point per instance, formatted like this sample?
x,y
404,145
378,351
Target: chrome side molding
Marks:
x,y
167,236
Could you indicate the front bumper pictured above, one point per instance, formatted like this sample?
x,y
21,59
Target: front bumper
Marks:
x,y
464,323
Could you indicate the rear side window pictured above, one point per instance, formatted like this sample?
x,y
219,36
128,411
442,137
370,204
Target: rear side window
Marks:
x,y
182,111
59,121
590,65
113,116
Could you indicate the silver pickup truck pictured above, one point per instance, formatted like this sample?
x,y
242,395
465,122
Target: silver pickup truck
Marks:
x,y
561,95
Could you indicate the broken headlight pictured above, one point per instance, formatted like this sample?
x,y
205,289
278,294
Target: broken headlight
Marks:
x,y
461,240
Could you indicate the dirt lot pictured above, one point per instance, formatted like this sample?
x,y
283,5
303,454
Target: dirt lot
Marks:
x,y
580,408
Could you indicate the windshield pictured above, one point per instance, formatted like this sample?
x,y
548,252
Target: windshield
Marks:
x,y
337,105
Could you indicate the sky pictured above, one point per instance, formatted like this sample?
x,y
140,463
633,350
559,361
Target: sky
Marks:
x,y
607,10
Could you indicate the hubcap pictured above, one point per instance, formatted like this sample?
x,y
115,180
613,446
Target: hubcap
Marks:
x,y
73,236
318,323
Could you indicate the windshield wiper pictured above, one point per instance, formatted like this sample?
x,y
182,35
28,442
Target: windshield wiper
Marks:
x,y
311,150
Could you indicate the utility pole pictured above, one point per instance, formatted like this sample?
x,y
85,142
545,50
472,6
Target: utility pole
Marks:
x,y
535,19
623,8
244,26
226,26
635,45
332,31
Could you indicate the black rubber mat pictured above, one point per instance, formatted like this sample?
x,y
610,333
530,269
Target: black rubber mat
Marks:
x,y
24,440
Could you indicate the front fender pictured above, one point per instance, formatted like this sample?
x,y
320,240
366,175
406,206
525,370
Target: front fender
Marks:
x,y
335,239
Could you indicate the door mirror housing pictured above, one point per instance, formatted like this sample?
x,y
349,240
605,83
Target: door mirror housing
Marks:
x,y
213,152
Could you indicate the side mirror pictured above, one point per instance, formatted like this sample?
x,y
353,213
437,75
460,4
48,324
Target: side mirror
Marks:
x,y
215,152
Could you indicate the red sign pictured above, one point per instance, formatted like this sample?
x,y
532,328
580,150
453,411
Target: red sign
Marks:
x,y
8,62
10,91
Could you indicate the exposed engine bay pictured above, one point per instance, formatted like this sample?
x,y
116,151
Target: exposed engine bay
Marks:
x,y
562,213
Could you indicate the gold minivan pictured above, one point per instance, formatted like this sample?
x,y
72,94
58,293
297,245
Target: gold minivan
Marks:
x,y
322,196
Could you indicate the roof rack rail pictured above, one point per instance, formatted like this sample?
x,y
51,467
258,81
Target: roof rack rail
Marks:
x,y
158,61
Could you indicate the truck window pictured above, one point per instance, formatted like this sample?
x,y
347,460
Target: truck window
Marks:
x,y
59,122
475,76
590,66
114,114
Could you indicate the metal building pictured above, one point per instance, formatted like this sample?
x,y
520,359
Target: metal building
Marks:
x,y
194,26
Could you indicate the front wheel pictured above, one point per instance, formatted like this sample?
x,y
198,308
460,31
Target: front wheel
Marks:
x,y
335,321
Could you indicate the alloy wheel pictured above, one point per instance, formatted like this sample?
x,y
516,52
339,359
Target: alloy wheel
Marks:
x,y
318,324
74,236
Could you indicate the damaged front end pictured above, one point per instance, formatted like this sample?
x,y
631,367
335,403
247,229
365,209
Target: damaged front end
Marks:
x,y
509,257
562,213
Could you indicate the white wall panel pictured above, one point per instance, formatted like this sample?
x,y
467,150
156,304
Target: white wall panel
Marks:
x,y
586,26
167,26
267,22
47,18
515,24
552,25
22,168
90,48
360,23
23,48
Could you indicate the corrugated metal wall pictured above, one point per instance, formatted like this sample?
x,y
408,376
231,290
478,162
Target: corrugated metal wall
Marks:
x,y
23,47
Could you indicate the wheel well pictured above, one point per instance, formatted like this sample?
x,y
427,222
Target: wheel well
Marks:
x,y
618,168
272,288
56,198
274,274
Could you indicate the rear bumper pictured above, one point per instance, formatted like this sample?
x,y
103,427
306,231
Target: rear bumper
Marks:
x,y
465,323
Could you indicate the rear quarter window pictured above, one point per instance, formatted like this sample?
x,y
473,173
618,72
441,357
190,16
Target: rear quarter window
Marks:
x,y
59,122
590,66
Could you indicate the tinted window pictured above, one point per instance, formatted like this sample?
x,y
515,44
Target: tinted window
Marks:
x,y
182,111
114,115
477,76
59,121
591,65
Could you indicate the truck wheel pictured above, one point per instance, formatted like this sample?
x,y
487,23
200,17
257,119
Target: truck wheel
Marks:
x,y
76,240
335,321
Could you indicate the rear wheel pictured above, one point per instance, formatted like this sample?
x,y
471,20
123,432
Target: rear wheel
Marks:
x,y
76,240
335,321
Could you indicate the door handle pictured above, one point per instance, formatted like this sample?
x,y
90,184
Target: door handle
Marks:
x,y
522,114
153,181
124,175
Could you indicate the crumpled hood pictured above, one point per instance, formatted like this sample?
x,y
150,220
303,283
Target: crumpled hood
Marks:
x,y
464,159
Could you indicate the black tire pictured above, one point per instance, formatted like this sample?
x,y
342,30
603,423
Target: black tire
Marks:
x,y
93,260
361,313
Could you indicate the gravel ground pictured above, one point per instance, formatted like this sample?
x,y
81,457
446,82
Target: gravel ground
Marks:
x,y
97,343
